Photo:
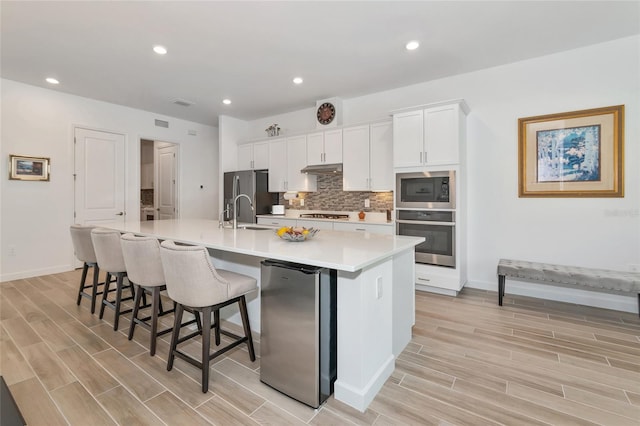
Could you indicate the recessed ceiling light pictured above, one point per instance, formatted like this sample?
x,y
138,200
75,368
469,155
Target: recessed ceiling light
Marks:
x,y
297,80
412,45
52,80
160,50
226,101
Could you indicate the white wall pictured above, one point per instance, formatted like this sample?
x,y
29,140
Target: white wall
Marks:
x,y
596,232
35,216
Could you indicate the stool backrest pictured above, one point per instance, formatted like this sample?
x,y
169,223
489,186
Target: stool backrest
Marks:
x,y
142,259
191,278
82,244
106,243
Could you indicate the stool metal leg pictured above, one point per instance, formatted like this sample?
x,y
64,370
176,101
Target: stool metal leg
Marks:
x,y
206,346
174,336
119,283
94,289
136,308
247,327
155,303
85,268
216,319
105,291
501,279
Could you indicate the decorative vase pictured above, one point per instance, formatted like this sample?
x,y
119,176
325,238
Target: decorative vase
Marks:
x,y
361,215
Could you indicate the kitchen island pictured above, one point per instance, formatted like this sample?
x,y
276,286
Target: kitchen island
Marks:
x,y
375,300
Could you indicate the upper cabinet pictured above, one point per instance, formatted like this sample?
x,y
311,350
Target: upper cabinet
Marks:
x,y
429,136
367,157
324,147
287,156
253,156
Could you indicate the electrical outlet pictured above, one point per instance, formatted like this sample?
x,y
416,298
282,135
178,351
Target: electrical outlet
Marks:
x,y
379,288
290,202
367,203
301,202
11,251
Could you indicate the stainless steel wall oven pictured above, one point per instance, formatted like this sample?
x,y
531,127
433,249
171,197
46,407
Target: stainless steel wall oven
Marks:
x,y
439,230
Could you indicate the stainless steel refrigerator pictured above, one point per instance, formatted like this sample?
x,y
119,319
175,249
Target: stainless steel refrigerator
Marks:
x,y
255,184
298,340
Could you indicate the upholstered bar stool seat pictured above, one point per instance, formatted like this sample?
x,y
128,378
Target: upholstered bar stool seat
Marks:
x,y
106,243
144,269
83,248
193,282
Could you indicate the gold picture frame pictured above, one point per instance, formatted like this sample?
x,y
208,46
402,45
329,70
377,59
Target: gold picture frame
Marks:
x,y
22,167
572,154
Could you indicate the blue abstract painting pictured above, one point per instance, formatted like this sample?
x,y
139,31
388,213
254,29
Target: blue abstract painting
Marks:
x,y
570,154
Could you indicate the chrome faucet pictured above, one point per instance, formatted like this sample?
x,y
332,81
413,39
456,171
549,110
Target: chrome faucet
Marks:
x,y
235,208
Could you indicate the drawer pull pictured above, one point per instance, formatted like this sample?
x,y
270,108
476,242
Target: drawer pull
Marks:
x,y
360,229
423,279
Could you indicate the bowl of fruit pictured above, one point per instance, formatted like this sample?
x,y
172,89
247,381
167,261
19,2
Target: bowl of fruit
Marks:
x,y
293,234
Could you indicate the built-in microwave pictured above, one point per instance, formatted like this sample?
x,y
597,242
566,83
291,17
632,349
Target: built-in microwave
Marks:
x,y
426,190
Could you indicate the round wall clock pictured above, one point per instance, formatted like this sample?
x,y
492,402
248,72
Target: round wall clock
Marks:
x,y
326,113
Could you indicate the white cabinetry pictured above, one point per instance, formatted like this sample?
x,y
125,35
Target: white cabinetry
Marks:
x,y
253,156
367,157
364,227
287,156
429,136
324,147
276,221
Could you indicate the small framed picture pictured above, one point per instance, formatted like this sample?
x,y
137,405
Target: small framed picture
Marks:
x,y
572,154
28,168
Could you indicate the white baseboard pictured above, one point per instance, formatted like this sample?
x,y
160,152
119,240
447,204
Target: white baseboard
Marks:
x,y
361,398
36,273
437,290
578,296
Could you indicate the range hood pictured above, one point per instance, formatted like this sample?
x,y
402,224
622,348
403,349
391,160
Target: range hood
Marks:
x,y
323,169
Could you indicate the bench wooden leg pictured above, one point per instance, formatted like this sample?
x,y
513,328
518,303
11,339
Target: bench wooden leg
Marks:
x,y
501,279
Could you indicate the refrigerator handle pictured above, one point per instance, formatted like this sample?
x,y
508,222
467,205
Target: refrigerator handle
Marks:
x,y
236,192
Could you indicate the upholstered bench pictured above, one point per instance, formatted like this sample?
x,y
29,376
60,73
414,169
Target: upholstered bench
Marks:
x,y
596,279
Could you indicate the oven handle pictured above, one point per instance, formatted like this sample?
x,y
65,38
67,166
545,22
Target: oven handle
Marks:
x,y
422,222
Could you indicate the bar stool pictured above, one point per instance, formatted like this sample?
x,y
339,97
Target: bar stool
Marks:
x,y
193,282
144,269
106,243
83,248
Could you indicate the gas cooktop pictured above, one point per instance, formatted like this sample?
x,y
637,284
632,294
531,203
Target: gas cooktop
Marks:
x,y
325,216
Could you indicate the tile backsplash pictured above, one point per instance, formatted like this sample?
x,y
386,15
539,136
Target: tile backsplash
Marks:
x,y
330,196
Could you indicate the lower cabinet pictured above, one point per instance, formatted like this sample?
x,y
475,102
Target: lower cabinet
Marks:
x,y
364,227
276,221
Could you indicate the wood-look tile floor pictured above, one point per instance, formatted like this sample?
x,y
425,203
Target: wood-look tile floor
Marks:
x,y
470,362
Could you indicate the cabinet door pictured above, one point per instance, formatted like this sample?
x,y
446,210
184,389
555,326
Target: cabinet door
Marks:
x,y
278,165
380,154
333,146
441,135
317,224
408,139
245,157
364,227
315,148
355,173
276,221
296,161
261,155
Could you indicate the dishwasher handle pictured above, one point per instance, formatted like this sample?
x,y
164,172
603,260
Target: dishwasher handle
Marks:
x,y
305,269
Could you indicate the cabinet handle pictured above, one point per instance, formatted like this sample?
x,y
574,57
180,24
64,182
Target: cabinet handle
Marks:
x,y
425,157
360,229
420,157
424,279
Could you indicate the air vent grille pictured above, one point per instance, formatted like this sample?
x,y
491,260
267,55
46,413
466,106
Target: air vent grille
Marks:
x,y
162,123
183,102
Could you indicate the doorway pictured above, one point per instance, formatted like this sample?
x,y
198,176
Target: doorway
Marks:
x,y
158,180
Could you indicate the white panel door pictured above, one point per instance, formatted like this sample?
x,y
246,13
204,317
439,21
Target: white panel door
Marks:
x,y
99,170
278,165
245,157
408,139
296,161
261,155
441,135
166,188
315,148
333,146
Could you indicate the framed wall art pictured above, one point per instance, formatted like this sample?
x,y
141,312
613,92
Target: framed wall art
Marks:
x,y
572,154
28,168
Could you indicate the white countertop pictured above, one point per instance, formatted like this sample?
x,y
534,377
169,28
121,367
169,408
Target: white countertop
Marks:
x,y
351,219
345,251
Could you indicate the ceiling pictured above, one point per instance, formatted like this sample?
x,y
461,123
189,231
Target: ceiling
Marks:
x,y
249,52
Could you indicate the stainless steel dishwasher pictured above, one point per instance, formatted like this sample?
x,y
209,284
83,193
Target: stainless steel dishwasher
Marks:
x,y
298,330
